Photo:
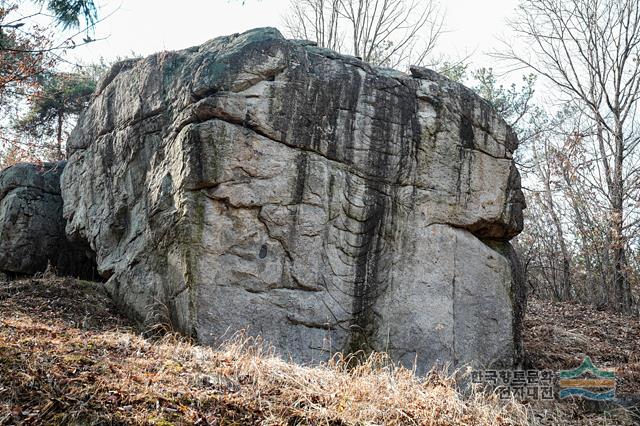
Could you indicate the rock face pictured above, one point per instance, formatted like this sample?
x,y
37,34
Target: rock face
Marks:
x,y
270,185
32,230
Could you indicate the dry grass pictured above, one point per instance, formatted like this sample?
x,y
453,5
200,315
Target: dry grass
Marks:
x,y
67,358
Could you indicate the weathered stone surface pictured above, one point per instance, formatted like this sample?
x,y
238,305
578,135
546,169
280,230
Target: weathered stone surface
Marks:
x,y
264,184
32,230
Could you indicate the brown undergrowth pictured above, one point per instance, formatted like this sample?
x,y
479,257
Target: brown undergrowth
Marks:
x,y
559,335
66,357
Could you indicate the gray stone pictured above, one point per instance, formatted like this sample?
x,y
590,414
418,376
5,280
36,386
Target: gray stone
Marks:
x,y
255,183
32,230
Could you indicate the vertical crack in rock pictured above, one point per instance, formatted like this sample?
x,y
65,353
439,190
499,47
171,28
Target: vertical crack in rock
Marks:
x,y
467,147
454,341
367,283
518,295
378,231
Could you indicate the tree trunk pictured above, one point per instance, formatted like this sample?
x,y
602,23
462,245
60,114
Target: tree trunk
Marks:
x,y
60,155
620,279
565,282
564,290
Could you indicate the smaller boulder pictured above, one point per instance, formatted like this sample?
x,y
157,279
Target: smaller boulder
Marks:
x,y
32,227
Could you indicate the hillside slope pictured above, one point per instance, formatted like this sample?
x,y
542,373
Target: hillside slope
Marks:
x,y
66,357
559,335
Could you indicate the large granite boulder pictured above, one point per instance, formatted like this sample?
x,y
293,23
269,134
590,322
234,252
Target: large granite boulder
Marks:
x,y
32,230
269,185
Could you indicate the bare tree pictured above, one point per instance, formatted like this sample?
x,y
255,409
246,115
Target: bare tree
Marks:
x,y
546,242
544,156
381,32
315,20
590,50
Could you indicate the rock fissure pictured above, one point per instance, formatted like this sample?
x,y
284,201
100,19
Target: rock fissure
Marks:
x,y
32,235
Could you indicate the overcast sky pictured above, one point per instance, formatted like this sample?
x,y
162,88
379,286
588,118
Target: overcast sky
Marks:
x,y
147,26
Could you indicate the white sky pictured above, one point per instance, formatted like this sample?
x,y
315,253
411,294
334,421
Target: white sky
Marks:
x,y
148,26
